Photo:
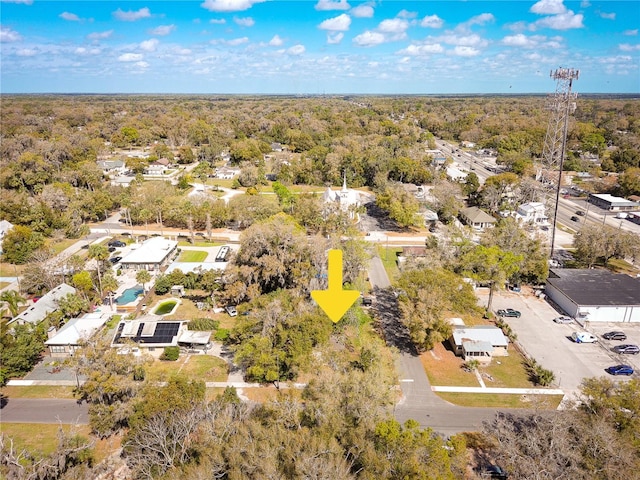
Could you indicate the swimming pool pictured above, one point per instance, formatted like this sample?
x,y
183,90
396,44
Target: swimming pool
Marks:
x,y
129,295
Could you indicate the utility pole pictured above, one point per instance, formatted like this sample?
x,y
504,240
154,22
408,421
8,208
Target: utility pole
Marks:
x,y
561,104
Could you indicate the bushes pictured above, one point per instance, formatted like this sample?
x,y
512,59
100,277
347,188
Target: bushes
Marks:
x,y
170,354
204,324
537,374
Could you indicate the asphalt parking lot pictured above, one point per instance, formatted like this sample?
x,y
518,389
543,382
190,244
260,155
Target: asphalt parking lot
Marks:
x,y
550,344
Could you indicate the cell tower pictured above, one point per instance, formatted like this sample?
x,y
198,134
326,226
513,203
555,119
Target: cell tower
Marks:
x,y
561,105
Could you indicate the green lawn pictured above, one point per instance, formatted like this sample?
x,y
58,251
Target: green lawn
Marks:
x,y
389,258
197,367
495,400
37,391
201,243
193,256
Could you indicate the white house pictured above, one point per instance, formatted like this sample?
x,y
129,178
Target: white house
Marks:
x,y
481,342
5,226
111,167
226,173
150,255
63,342
455,174
595,295
533,213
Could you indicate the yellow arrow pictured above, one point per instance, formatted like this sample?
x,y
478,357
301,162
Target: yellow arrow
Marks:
x,y
334,300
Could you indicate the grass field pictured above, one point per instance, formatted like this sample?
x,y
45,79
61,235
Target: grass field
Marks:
x,y
491,400
389,258
37,391
43,439
197,367
193,256
201,243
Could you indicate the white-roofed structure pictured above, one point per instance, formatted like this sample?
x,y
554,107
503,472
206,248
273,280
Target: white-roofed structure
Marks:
x,y
150,255
343,198
481,342
44,306
63,343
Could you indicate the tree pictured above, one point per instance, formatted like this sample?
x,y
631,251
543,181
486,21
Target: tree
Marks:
x,y
427,296
84,283
99,253
19,243
143,277
491,265
21,349
629,181
185,155
13,300
401,206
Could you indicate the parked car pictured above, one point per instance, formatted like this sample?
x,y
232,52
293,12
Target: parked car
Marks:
x,y
580,212
628,349
116,243
494,471
115,260
509,312
367,301
231,310
583,337
619,370
575,219
111,249
563,320
616,335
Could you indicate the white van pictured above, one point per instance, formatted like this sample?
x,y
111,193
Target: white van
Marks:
x,y
583,337
621,215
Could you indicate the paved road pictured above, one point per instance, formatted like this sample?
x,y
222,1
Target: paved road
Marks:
x,y
43,410
418,400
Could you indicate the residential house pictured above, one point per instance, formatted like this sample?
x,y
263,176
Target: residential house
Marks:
x,y
155,169
112,167
48,303
476,218
148,332
64,342
532,213
152,254
481,342
455,174
226,173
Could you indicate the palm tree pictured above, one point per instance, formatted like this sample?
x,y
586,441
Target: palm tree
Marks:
x,y
100,253
13,301
143,277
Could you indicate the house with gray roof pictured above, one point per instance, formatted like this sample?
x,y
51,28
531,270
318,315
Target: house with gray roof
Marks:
x,y
476,218
481,342
37,312
595,295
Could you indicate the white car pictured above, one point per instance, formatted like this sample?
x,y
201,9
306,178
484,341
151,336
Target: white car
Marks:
x,y
583,337
563,320
231,310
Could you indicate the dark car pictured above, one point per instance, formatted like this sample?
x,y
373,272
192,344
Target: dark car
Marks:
x,y
580,212
628,349
614,336
509,312
619,370
116,243
575,219
111,249
367,301
115,260
494,471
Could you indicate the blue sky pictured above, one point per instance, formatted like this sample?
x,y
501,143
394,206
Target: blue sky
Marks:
x,y
317,47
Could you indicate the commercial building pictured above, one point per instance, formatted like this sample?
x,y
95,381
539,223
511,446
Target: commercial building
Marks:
x,y
611,203
593,295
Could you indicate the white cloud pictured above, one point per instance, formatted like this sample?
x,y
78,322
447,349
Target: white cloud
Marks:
x,y
548,7
218,21
141,64
562,21
630,33
8,35
296,50
228,5
237,41
86,51
472,40
340,23
362,11
276,41
324,5
518,40
130,57
627,47
72,17
149,45
480,19
244,22
26,52
333,38
394,25
369,39
132,15
406,14
162,30
100,35
420,50
462,51
432,21
608,16
25,2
